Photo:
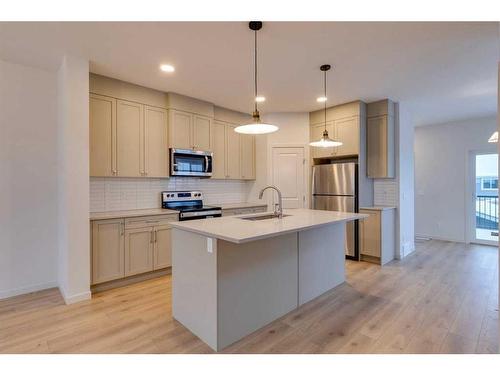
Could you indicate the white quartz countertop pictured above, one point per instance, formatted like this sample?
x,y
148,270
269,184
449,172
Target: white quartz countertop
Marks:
x,y
378,208
160,211
237,230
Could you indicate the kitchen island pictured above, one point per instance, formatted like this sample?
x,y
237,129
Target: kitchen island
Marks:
x,y
233,275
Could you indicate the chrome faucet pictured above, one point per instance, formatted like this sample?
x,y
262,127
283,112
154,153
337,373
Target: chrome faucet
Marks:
x,y
278,211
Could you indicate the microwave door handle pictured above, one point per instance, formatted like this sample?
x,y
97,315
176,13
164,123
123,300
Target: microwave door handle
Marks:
x,y
206,164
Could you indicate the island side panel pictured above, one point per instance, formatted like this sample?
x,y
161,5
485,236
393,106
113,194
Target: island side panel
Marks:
x,y
321,260
194,284
257,283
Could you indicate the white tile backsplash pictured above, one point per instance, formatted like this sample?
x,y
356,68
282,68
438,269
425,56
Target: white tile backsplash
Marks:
x,y
113,194
385,192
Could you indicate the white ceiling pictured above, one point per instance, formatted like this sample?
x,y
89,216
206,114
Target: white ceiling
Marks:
x,y
441,71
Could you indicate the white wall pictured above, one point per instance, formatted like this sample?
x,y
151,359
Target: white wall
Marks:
x,y
293,130
441,171
73,180
28,182
405,170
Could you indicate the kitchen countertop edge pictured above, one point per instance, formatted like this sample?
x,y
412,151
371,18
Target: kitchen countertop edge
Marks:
x,y
185,225
161,211
378,208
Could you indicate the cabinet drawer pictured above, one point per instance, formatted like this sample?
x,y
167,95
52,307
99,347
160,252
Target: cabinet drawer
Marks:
x,y
148,221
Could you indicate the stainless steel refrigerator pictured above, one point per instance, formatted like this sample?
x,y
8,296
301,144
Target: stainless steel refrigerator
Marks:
x,y
335,188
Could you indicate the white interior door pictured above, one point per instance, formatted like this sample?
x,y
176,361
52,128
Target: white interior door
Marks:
x,y
288,175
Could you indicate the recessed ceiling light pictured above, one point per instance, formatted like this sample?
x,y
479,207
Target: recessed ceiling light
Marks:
x,y
321,99
167,68
260,99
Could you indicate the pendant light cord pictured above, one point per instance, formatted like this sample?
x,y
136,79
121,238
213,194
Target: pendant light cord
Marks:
x,y
255,66
325,99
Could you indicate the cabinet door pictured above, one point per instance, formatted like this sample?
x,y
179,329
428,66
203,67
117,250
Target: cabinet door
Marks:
x,y
138,250
179,129
232,153
130,138
163,247
219,149
347,132
317,134
380,147
107,250
201,133
247,157
156,158
102,126
370,234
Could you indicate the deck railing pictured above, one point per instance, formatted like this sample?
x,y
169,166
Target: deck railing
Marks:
x,y
487,212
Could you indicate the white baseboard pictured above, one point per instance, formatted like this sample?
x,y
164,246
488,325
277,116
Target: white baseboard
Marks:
x,y
27,289
440,238
75,297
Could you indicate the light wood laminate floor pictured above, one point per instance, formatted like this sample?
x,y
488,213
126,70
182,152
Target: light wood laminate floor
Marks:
x,y
441,299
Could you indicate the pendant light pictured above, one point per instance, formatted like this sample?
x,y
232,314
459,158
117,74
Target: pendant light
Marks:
x,y
493,138
325,141
257,126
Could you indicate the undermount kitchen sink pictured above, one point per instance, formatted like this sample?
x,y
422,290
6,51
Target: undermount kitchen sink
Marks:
x,y
262,217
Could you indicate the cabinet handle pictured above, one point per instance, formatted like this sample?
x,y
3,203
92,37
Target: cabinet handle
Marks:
x,y
155,236
114,171
151,237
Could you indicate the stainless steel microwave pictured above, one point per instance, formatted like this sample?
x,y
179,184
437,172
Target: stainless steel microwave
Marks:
x,y
190,163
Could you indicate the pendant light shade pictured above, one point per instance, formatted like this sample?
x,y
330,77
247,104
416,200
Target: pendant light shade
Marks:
x,y
325,140
257,126
493,138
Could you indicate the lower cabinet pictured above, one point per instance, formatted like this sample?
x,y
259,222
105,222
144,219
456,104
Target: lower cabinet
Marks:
x,y
119,251
162,256
377,235
138,251
108,260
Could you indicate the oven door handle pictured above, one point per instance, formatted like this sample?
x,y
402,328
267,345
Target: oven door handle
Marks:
x,y
206,163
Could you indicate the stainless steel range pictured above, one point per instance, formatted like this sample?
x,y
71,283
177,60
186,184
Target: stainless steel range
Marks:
x,y
189,204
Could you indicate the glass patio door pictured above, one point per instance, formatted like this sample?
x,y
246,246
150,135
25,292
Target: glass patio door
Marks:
x,y
486,198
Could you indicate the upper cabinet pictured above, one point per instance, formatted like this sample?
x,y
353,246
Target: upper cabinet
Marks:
x,y
234,153
233,147
343,123
127,139
133,127
247,156
102,126
130,139
156,149
380,140
201,133
316,134
347,131
189,131
179,129
219,149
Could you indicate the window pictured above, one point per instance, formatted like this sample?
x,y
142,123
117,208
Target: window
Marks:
x,y
489,183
